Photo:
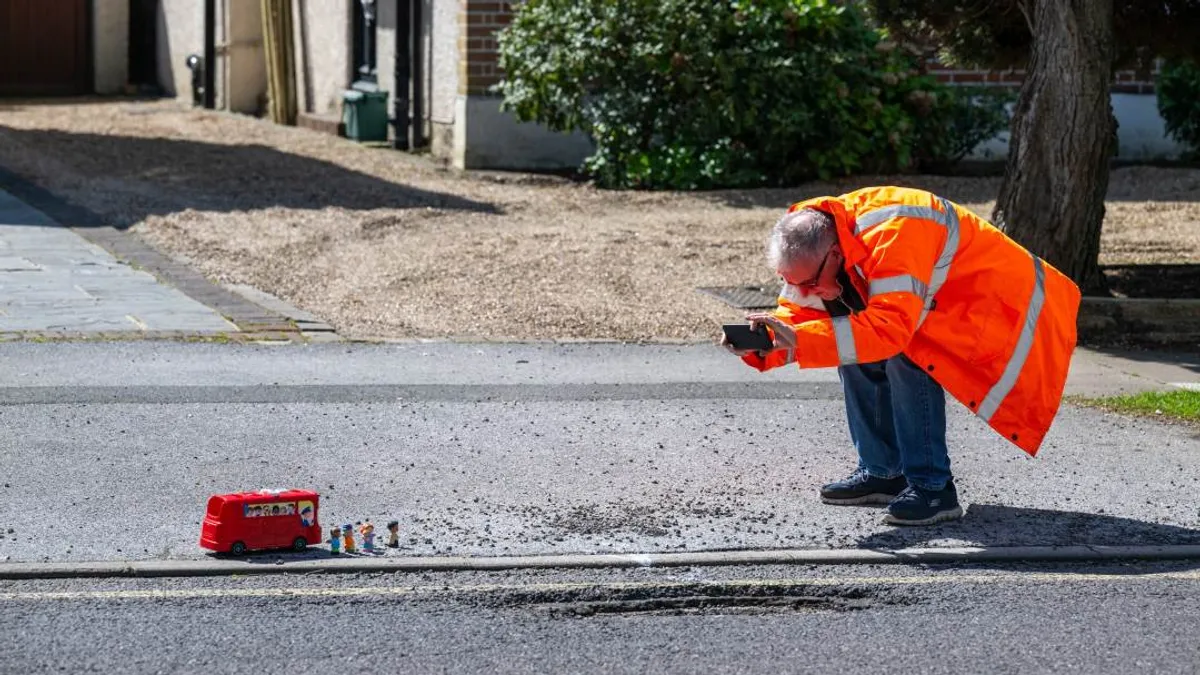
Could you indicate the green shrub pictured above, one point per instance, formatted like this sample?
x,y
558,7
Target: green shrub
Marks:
x,y
1178,89
693,94
959,119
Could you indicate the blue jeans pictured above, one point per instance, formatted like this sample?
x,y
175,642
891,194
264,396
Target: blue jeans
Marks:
x,y
897,416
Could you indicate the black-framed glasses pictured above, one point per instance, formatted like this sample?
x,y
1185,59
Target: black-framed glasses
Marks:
x,y
816,278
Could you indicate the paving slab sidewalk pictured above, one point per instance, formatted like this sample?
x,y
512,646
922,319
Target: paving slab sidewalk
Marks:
x,y
52,279
1111,373
59,281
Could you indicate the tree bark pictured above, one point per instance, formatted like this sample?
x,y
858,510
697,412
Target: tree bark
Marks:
x,y
1063,134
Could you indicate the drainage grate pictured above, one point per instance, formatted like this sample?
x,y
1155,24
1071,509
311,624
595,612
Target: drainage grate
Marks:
x,y
743,297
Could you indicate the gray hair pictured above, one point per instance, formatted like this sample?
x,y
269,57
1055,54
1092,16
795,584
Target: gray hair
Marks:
x,y
800,236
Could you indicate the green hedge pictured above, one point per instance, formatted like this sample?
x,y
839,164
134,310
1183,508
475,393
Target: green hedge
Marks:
x,y
1178,90
693,94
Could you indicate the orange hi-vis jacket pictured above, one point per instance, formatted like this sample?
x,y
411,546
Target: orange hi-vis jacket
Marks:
x,y
990,322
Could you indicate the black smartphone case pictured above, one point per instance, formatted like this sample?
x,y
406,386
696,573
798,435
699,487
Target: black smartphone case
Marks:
x,y
741,337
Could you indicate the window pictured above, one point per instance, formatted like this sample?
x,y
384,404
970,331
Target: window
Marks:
x,y
275,509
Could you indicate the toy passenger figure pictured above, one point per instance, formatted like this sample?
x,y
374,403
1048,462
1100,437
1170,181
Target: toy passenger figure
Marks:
x,y
368,535
335,540
348,537
393,529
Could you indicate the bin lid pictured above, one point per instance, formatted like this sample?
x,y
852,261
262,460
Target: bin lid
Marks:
x,y
351,95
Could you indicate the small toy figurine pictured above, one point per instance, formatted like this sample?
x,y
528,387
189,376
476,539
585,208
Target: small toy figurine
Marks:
x,y
393,529
348,537
335,540
368,534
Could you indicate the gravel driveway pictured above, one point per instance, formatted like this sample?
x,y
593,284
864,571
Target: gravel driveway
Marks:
x,y
383,244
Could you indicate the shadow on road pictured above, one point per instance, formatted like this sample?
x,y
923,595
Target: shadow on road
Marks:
x,y
995,525
157,176
284,556
1186,357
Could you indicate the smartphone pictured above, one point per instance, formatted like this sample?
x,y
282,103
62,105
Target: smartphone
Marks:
x,y
741,337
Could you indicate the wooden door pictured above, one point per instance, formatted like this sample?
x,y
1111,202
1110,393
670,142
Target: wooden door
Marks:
x,y
44,47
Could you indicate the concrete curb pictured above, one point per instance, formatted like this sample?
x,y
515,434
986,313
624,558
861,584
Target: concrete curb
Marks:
x,y
305,322
231,336
345,565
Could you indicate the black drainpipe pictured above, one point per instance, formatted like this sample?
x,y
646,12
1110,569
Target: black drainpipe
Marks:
x,y
210,53
403,76
418,79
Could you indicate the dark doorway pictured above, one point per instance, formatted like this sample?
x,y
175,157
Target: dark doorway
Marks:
x,y
45,49
143,45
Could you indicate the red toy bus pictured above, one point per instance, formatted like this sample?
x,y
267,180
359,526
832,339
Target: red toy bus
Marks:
x,y
243,521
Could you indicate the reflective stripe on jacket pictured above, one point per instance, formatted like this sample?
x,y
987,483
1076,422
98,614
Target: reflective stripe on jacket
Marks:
x,y
992,323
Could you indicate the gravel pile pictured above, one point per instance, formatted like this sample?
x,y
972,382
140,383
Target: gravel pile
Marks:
x,y
383,244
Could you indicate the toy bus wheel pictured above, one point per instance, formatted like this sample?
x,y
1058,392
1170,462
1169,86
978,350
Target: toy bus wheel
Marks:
x,y
238,548
299,544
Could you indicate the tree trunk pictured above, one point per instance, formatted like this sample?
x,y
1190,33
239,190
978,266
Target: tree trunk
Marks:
x,y
1063,134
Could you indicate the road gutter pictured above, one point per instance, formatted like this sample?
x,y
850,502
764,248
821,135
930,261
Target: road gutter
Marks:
x,y
273,564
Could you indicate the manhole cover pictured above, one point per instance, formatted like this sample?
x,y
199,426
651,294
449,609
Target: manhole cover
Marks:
x,y
743,297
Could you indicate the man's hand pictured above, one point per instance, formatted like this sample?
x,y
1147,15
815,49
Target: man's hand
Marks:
x,y
785,335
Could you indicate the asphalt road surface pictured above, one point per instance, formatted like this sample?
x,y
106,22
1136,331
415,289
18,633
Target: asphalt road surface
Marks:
x,y
112,450
1016,619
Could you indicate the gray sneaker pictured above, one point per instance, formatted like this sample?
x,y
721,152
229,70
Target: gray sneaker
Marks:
x,y
915,506
863,488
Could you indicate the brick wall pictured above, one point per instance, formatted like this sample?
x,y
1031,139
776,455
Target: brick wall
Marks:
x,y
478,22
1125,82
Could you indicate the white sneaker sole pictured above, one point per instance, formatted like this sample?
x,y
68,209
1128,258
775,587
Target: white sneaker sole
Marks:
x,y
940,517
874,498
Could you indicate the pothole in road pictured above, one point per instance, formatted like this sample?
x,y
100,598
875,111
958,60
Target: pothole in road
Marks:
x,y
696,598
710,604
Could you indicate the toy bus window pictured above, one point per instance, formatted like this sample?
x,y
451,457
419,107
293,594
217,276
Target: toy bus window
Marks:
x,y
308,515
276,509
